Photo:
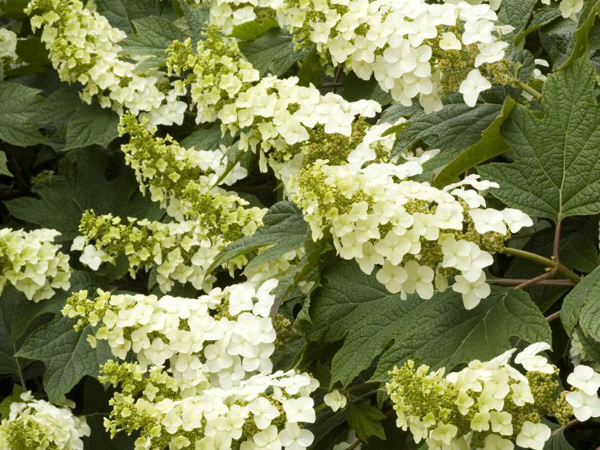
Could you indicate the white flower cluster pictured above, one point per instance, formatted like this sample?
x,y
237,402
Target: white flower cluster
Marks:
x,y
404,43
84,49
181,180
219,392
8,47
271,113
490,400
584,398
263,412
180,251
223,336
226,14
36,424
32,263
413,231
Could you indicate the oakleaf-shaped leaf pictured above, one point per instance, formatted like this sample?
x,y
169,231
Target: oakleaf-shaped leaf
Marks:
x,y
19,105
153,36
87,187
556,173
489,146
355,308
582,306
283,230
66,353
365,420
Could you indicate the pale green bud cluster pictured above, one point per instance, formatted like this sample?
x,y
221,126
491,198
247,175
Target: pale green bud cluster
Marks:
x,y
32,263
38,425
184,180
488,405
180,251
271,114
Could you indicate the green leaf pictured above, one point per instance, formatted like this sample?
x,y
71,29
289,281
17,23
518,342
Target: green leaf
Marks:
x,y
591,347
3,167
15,396
541,17
14,9
489,146
66,353
59,108
575,304
587,17
355,308
272,52
557,442
196,18
284,230
556,173
355,89
92,125
311,70
8,307
32,51
558,38
454,128
122,13
18,106
516,13
84,188
153,36
365,420
207,139
251,30
17,315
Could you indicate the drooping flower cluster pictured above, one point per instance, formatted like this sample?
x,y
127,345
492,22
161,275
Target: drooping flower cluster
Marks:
x,y
36,424
8,48
263,412
271,113
413,48
182,180
419,235
180,251
488,405
218,391
221,337
84,49
32,263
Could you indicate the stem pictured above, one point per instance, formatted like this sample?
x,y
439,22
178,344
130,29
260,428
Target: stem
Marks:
x,y
535,94
544,262
321,407
519,281
355,444
566,426
553,316
539,279
21,377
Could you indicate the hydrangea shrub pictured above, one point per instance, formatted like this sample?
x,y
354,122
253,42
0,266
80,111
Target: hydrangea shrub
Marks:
x,y
299,224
